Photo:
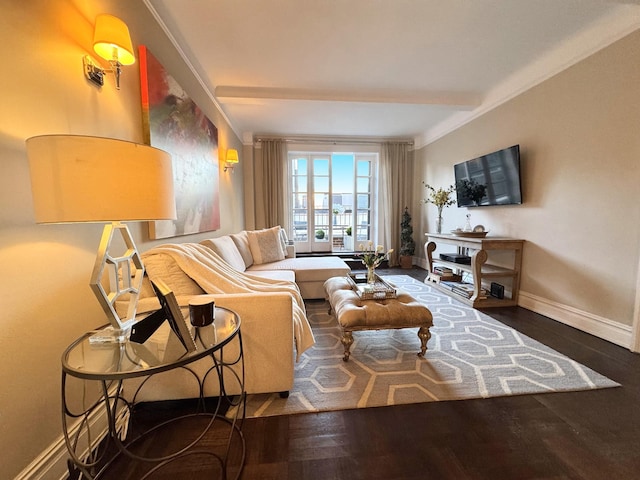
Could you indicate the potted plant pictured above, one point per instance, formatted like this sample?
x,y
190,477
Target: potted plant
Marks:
x,y
319,234
407,245
348,240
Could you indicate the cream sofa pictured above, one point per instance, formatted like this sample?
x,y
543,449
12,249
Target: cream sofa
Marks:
x,y
309,273
268,317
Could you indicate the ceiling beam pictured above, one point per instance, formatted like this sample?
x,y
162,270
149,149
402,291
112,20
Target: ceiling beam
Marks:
x,y
462,100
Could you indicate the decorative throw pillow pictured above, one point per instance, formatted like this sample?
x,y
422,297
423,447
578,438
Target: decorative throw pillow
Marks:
x,y
266,245
242,242
226,248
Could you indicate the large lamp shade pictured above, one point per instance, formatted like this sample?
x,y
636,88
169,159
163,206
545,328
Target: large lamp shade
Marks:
x,y
91,179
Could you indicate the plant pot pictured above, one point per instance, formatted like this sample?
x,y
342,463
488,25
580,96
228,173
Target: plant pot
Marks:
x,y
348,243
406,261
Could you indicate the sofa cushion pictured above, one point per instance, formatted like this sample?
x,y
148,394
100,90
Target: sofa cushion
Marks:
x,y
281,275
242,242
308,269
266,245
226,248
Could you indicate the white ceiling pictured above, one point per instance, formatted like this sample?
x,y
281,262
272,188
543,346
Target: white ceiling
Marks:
x,y
383,68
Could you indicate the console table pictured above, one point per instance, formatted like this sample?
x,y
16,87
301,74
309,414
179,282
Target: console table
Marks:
x,y
481,267
107,365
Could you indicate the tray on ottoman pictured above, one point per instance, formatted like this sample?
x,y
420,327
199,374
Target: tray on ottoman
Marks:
x,y
378,291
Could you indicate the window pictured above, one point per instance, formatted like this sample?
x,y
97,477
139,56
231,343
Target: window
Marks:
x,y
333,200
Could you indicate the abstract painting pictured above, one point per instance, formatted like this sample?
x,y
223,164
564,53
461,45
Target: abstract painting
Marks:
x,y
174,123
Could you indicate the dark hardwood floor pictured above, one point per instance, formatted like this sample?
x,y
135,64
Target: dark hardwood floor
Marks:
x,y
590,435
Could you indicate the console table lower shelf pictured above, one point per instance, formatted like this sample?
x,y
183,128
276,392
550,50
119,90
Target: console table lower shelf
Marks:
x,y
111,437
477,291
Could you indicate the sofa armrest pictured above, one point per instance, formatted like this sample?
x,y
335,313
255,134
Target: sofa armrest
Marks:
x,y
267,337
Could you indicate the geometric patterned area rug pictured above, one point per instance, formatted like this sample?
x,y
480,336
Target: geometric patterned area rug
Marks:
x,y
469,355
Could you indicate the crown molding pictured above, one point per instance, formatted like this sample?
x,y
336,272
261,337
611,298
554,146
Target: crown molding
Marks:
x,y
190,65
620,23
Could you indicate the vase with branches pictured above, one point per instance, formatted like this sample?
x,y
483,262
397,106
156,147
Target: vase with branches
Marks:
x,y
441,198
371,257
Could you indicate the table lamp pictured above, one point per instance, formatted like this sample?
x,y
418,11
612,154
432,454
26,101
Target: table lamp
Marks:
x,y
91,179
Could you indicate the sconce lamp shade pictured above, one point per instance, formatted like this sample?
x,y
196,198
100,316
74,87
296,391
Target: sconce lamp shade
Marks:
x,y
90,179
232,156
111,40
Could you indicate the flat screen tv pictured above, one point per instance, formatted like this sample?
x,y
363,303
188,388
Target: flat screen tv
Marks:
x,y
493,179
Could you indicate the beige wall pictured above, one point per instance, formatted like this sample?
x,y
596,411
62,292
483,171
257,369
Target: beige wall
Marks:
x,y
44,292
580,146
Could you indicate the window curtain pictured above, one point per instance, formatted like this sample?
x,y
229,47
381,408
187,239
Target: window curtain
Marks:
x,y
395,192
272,192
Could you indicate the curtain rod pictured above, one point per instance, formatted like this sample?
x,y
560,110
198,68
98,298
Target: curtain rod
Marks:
x,y
341,141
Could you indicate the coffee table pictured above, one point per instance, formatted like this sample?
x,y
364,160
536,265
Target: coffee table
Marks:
x,y
355,314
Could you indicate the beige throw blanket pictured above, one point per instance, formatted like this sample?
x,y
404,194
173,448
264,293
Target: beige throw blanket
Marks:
x,y
214,275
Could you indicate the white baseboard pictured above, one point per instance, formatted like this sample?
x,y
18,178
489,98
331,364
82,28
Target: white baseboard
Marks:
x,y
595,325
52,463
601,327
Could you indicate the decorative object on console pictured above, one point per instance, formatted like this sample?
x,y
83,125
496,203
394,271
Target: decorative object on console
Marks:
x,y
407,245
174,123
112,42
476,232
371,258
440,198
467,225
231,160
90,179
472,234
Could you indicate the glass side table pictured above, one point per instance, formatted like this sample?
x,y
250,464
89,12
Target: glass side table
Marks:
x,y
106,411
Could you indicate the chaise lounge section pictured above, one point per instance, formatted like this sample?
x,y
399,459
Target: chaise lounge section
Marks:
x,y
267,253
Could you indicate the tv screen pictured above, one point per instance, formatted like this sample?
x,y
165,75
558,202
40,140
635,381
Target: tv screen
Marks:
x,y
493,179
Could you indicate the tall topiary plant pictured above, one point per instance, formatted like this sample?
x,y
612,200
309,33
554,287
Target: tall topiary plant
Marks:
x,y
407,245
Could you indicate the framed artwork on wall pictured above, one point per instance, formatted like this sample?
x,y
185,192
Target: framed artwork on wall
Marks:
x,y
174,123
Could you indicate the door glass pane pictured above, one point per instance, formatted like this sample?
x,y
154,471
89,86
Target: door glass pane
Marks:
x,y
333,200
321,184
342,178
320,166
363,185
299,183
299,166
364,169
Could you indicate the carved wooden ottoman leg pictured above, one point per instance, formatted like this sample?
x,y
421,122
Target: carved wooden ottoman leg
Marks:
x,y
424,335
347,340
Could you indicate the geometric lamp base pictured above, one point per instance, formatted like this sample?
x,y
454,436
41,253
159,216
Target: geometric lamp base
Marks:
x,y
117,276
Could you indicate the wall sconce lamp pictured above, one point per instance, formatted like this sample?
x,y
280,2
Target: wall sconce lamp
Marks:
x,y
112,42
101,180
231,159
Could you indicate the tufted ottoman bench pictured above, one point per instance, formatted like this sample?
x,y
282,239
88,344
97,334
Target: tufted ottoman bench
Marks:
x,y
354,314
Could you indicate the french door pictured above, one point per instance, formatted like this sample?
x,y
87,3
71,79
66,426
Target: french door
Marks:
x,y
333,200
